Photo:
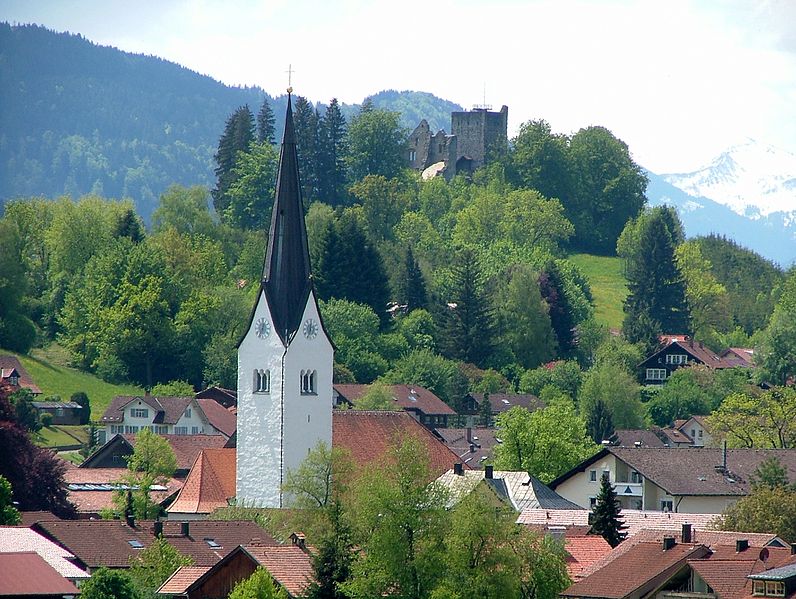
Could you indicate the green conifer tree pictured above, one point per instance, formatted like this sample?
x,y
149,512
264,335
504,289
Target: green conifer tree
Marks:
x,y
599,422
237,137
485,411
411,283
266,123
606,520
332,149
305,119
334,556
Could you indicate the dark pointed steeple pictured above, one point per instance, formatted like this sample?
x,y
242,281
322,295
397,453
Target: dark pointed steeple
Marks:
x,y
286,275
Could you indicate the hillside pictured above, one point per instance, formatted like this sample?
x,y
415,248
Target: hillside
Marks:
x,y
608,286
48,368
79,118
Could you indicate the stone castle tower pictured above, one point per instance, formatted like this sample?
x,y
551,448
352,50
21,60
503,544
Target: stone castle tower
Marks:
x,y
285,359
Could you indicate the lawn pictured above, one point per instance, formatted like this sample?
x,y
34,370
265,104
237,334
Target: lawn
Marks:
x,y
48,368
608,286
60,436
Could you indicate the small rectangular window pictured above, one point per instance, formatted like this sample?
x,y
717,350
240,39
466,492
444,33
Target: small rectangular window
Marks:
x,y
194,430
607,474
180,430
775,588
262,381
656,374
139,413
666,505
758,587
593,475
309,381
188,412
592,502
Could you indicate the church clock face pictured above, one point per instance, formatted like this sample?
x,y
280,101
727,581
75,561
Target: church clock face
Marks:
x,y
262,328
310,328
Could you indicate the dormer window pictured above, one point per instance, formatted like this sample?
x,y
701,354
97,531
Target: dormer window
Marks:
x,y
309,382
14,380
139,413
262,381
768,588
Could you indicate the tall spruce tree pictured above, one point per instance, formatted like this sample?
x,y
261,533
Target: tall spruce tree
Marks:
x,y
266,123
468,317
237,137
332,149
332,561
606,520
411,284
305,118
657,288
551,286
599,423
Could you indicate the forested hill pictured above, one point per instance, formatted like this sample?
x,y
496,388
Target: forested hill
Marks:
x,y
77,118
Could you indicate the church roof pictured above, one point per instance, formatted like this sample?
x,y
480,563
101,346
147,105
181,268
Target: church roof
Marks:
x,y
286,274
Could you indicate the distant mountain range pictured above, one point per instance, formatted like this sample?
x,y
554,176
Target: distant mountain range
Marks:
x,y
78,118
747,193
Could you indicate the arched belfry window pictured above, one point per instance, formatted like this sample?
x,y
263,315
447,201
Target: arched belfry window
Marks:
x,y
262,381
309,382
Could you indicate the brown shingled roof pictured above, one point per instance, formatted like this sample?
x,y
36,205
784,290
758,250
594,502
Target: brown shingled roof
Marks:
x,y
639,570
502,402
367,435
8,362
218,416
168,409
187,447
27,573
287,564
406,397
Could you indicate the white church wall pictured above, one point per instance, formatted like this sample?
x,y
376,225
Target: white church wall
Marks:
x,y
259,434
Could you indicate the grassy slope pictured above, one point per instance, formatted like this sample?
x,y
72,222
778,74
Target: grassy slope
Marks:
x,y
48,368
608,286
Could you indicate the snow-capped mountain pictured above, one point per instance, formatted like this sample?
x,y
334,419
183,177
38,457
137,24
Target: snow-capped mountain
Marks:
x,y
751,178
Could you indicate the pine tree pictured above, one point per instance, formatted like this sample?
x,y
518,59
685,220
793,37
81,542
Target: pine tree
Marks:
x,y
551,286
129,225
411,284
467,321
485,411
332,148
332,562
657,289
305,118
266,123
599,422
237,137
606,520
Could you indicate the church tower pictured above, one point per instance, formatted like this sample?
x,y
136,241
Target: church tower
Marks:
x,y
285,359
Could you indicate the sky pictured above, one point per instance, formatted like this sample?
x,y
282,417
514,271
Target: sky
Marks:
x,y
678,81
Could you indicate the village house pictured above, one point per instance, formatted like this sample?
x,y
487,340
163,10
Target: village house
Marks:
x,y
677,351
18,539
27,574
289,565
428,409
165,416
698,480
15,376
474,446
63,412
499,403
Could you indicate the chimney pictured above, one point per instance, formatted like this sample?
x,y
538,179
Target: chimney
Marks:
x,y
741,545
724,455
130,519
686,536
458,469
489,471
793,548
158,528
472,447
299,540
668,543
185,529
469,435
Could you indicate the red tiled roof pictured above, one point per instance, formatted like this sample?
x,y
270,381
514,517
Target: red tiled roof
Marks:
x,y
368,435
12,363
644,566
219,416
288,565
184,577
629,438
168,409
407,397
727,577
501,402
27,573
209,485
582,552
187,447
228,534
90,489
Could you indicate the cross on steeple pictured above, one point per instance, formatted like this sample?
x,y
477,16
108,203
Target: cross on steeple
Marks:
x,y
290,72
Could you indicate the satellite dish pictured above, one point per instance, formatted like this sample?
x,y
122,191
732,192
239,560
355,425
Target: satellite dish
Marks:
x,y
764,554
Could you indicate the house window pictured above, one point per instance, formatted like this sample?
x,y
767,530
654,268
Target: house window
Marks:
x,y
412,155
656,374
592,476
775,589
180,430
194,430
592,501
699,433
309,382
607,474
759,587
666,505
59,411
188,412
677,359
116,429
14,380
130,429
635,477
162,430
139,413
262,381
